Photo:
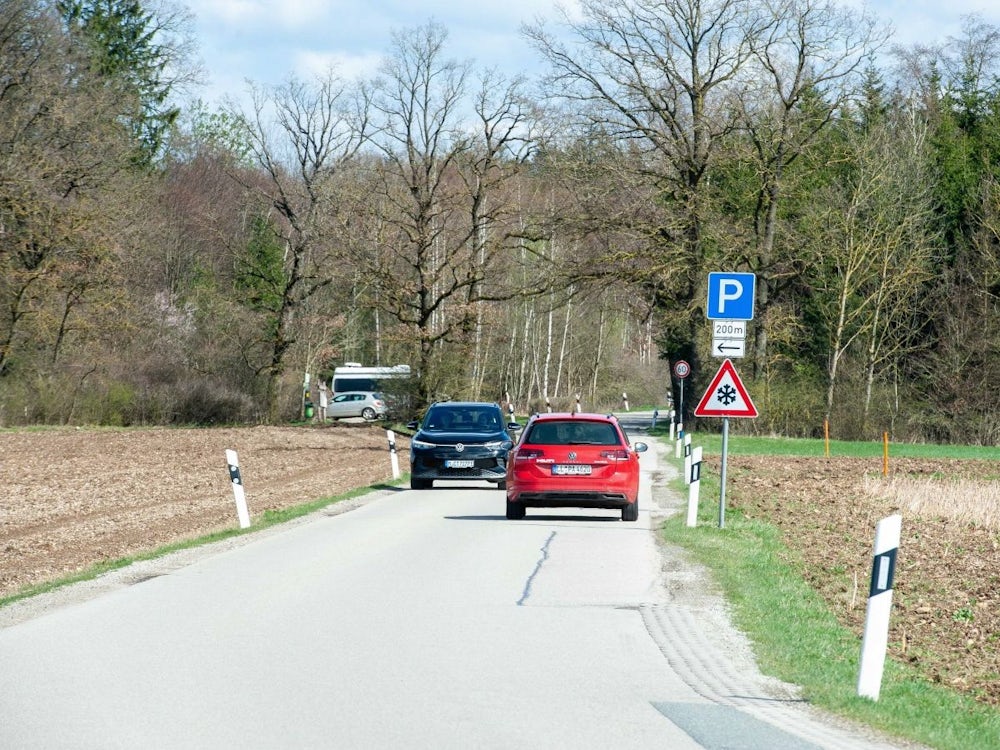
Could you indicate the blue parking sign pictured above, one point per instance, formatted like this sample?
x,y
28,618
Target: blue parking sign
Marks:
x,y
730,296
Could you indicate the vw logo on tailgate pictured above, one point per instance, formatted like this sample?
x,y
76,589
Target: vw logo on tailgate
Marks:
x,y
460,447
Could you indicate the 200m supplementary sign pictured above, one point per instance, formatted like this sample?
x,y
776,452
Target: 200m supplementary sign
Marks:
x,y
729,329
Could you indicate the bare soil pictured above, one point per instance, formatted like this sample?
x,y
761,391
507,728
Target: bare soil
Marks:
x,y
71,498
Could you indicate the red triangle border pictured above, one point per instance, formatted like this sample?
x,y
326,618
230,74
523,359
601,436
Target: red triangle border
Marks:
x,y
703,411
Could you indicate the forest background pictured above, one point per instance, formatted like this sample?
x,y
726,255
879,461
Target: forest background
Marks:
x,y
531,239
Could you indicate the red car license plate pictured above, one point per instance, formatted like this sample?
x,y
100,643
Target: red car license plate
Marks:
x,y
571,469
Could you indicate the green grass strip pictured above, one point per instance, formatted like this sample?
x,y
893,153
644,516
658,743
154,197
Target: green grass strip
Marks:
x,y
747,445
797,639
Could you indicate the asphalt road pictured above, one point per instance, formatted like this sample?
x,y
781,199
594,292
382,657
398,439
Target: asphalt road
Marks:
x,y
420,619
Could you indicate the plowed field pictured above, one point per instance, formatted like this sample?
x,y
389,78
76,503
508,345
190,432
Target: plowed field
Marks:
x,y
71,498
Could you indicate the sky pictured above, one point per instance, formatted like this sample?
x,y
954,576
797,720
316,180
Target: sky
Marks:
x,y
266,41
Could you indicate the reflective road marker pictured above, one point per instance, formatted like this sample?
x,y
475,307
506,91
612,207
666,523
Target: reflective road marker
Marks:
x,y
242,512
876,637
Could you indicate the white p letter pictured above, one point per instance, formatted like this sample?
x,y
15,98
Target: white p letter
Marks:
x,y
729,290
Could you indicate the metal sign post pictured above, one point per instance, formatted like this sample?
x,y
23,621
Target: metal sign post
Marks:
x,y
722,473
681,369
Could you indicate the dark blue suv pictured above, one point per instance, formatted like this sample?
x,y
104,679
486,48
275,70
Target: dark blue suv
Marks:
x,y
460,440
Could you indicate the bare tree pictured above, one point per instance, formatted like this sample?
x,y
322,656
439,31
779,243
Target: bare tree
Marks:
x,y
662,78
440,192
145,51
301,136
504,140
806,67
876,254
64,167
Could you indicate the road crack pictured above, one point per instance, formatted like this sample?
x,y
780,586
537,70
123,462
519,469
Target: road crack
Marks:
x,y
538,567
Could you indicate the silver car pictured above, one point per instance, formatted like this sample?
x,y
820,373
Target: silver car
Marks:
x,y
365,404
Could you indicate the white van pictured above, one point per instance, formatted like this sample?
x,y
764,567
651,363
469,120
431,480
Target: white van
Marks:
x,y
355,377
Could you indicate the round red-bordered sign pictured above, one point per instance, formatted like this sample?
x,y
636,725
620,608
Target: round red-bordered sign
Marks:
x,y
682,369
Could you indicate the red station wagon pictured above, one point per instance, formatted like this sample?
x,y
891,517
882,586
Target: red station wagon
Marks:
x,y
574,461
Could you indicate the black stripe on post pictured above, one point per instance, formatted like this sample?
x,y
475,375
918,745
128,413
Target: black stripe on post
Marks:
x,y
234,474
883,571
696,472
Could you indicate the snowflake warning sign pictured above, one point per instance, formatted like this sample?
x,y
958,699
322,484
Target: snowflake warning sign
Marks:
x,y
726,396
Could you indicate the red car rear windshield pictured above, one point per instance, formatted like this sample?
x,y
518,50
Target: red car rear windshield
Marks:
x,y
576,432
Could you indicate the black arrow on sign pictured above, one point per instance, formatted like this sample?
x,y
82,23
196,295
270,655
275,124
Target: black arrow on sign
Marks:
x,y
723,348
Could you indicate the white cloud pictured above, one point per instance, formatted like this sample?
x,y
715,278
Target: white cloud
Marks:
x,y
268,14
268,40
230,12
927,21
312,63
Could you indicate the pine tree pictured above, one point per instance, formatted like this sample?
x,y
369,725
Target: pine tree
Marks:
x,y
124,45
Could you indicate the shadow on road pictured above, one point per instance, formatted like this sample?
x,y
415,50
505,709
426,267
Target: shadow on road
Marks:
x,y
537,518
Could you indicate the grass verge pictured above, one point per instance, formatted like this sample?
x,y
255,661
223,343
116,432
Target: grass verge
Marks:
x,y
268,519
711,441
797,639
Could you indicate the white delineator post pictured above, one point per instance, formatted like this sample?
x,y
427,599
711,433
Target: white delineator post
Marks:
x,y
694,486
680,440
242,512
687,459
393,457
673,424
876,637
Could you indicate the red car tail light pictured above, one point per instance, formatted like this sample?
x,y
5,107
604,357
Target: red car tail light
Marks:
x,y
525,454
619,455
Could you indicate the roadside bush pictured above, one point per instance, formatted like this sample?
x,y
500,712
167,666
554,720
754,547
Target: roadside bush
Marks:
x,y
791,405
204,403
106,403
16,404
